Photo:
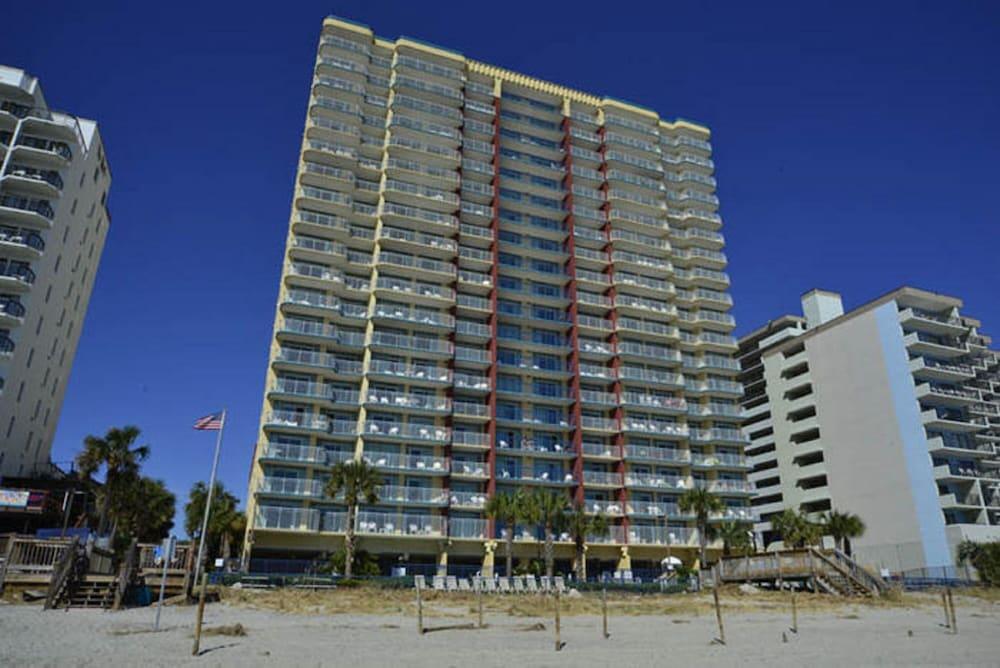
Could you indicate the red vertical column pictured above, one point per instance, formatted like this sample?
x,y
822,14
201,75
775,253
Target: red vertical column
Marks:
x,y
619,447
491,428
574,355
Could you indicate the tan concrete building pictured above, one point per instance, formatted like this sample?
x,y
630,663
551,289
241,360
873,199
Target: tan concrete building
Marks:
x,y
889,411
54,181
493,282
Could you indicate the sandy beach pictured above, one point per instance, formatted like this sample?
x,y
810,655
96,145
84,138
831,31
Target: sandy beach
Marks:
x,y
834,633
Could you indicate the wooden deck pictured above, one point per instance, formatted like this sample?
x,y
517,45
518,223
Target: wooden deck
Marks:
x,y
820,570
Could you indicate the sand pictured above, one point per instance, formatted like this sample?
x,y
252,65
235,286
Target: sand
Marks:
x,y
834,633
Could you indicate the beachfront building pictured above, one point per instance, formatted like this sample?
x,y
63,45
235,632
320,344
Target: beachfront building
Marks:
x,y
890,411
494,283
54,182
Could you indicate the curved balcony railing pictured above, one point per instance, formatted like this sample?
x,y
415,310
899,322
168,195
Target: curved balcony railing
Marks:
x,y
11,307
39,206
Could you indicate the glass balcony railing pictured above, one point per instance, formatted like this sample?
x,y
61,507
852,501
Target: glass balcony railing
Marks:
x,y
403,494
468,499
22,238
400,524
656,481
471,439
475,469
426,402
396,461
287,452
296,519
39,206
409,370
292,487
658,535
732,486
601,450
654,509
658,454
415,343
603,478
421,432
599,507
305,388
467,527
654,401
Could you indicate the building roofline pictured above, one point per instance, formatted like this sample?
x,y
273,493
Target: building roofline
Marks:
x,y
520,79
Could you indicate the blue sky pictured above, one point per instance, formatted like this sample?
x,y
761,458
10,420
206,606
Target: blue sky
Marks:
x,y
856,145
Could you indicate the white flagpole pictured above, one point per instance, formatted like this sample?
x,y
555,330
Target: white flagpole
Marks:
x,y
208,499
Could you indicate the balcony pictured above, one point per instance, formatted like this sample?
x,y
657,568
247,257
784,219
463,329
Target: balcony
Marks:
x,y
609,508
536,448
655,509
604,479
15,276
936,323
722,460
599,424
21,243
11,311
326,361
286,453
287,519
656,481
27,211
945,395
952,421
604,451
409,495
469,440
469,469
296,487
391,461
413,372
722,486
929,368
651,376
656,454
6,346
598,398
468,528
655,402
43,182
468,500
401,524
934,346
384,400
310,390
656,535
719,434
536,477
413,344
654,427
378,429
296,421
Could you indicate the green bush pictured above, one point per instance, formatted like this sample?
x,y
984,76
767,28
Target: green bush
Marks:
x,y
985,557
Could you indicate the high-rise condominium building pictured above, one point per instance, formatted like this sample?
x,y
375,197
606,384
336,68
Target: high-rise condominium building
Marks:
x,y
54,181
494,283
891,412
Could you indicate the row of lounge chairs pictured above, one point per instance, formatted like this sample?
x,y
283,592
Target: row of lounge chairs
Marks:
x,y
518,584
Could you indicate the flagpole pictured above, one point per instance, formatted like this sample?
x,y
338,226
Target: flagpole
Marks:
x,y
208,498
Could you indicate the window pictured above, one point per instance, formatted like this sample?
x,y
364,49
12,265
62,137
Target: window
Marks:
x,y
508,383
507,331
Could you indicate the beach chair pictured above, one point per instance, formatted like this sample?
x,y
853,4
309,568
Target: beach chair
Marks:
x,y
451,583
439,583
559,584
518,583
420,582
627,577
503,585
463,584
488,585
531,584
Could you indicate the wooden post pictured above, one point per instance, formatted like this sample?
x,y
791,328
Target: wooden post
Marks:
x,y
479,603
795,614
947,612
718,614
812,572
420,613
559,644
604,611
951,604
8,556
781,579
200,615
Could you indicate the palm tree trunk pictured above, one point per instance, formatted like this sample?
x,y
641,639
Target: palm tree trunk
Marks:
x,y
702,540
510,551
549,551
581,564
349,542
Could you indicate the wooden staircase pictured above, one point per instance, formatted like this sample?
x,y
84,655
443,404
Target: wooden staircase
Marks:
x,y
92,592
830,571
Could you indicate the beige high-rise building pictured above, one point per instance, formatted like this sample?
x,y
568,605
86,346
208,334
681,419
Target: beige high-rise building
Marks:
x,y
54,181
494,283
890,411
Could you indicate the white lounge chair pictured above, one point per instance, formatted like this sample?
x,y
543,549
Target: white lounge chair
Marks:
x,y
489,585
545,584
531,584
439,583
559,584
420,582
503,585
518,583
463,584
451,583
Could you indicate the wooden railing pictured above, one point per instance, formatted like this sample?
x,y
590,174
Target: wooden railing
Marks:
x,y
147,558
63,572
851,569
29,556
800,564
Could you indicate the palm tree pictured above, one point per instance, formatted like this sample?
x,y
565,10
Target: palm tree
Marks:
x,y
148,515
223,518
702,503
796,529
733,536
509,509
548,510
843,527
121,463
580,525
358,481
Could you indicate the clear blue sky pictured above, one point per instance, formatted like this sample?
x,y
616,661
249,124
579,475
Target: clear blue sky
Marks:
x,y
857,149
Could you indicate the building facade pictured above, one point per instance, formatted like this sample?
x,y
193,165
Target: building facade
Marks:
x,y
491,283
54,182
889,411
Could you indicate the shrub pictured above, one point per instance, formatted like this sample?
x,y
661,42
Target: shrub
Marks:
x,y
985,557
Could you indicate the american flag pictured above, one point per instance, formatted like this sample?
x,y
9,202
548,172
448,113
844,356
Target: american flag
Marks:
x,y
211,422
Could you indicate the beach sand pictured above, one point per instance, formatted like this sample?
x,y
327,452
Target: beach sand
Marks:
x,y
836,632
